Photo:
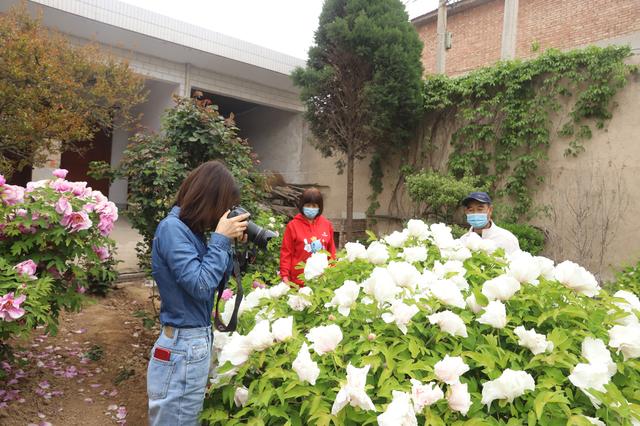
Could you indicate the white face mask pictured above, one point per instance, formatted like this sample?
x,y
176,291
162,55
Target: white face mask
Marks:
x,y
310,212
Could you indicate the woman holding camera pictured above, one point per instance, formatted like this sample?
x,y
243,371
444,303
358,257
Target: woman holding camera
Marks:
x,y
307,233
189,263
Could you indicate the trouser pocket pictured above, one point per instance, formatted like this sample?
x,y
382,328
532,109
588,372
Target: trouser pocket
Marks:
x,y
158,377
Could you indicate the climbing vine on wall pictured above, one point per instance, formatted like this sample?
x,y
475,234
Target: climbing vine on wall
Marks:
x,y
504,115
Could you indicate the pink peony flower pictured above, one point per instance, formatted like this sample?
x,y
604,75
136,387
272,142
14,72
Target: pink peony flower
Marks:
x,y
80,189
105,225
258,284
2,180
61,185
76,221
21,212
60,173
227,294
12,194
31,186
102,252
63,206
27,267
10,308
81,290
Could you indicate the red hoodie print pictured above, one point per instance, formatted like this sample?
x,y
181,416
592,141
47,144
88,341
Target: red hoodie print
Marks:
x,y
301,239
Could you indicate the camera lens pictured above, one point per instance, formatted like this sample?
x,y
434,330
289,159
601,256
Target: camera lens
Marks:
x,y
255,233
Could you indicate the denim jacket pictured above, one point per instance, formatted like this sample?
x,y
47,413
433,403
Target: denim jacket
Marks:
x,y
188,271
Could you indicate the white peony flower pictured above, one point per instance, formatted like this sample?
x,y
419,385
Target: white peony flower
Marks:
x,y
475,242
424,395
589,376
510,385
237,350
596,352
399,412
324,338
546,266
459,398
456,252
306,369
419,229
344,297
441,235
415,254
282,329
453,270
300,301
353,392
401,314
449,369
494,315
449,323
626,338
381,285
377,253
533,341
279,290
472,304
426,279
501,288
306,291
595,421
629,304
404,274
315,265
397,239
355,251
523,268
241,396
260,337
251,301
448,293
575,277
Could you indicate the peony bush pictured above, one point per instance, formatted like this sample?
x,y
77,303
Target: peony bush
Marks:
x,y
422,328
54,242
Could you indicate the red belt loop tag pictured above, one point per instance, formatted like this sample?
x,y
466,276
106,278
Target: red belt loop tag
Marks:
x,y
162,354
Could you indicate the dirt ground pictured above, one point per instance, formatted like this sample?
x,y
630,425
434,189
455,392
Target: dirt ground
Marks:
x,y
92,373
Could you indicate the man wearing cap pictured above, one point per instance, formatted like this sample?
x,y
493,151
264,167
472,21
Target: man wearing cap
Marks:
x,y
478,208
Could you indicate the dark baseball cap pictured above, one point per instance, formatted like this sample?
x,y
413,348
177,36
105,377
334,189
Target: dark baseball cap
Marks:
x,y
481,197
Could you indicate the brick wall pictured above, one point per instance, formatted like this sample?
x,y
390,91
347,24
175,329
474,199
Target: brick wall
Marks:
x,y
566,24
571,23
477,37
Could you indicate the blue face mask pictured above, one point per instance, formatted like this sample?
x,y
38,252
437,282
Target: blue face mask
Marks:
x,y
310,212
477,220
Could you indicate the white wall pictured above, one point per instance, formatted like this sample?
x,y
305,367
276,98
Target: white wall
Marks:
x,y
158,100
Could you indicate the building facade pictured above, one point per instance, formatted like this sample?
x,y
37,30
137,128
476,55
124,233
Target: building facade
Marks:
x,y
177,58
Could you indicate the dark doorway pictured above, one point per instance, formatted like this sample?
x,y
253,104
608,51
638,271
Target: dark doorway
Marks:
x,y
21,177
78,163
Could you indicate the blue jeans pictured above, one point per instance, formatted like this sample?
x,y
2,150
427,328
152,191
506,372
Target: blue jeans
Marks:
x,y
176,387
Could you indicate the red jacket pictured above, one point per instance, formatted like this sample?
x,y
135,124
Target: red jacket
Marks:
x,y
301,239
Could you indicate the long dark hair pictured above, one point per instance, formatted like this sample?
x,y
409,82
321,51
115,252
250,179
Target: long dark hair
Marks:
x,y
204,196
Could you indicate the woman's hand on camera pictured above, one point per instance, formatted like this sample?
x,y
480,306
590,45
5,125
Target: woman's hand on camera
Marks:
x,y
233,228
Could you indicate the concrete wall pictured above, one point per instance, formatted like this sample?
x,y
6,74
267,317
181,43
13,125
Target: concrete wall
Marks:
x,y
159,98
593,199
477,30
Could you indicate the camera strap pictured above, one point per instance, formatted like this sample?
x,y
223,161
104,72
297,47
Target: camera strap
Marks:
x,y
233,322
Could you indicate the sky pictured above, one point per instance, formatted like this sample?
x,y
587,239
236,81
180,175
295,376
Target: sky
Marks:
x,y
283,25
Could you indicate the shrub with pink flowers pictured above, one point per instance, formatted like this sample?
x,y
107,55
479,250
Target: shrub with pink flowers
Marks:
x,y
54,244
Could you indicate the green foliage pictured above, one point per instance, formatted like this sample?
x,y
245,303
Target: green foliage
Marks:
x,y
504,114
531,239
628,279
440,195
276,395
155,165
362,82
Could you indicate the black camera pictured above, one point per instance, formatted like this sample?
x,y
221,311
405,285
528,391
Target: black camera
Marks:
x,y
255,234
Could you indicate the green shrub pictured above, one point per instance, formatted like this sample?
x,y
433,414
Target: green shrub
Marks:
x,y
439,195
531,239
628,279
155,165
